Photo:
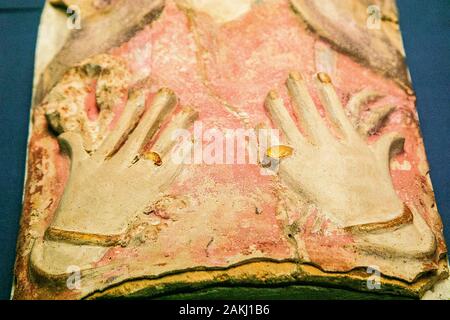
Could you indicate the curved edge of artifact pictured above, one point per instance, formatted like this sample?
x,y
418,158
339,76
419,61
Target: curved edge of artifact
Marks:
x,y
276,274
381,223
248,274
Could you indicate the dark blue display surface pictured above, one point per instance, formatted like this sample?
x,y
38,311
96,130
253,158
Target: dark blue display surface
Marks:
x,y
425,27
18,28
426,31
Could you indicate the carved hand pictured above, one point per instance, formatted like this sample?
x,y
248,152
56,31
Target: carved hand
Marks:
x,y
108,188
336,168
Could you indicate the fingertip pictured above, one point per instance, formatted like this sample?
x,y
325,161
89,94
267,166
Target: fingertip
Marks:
x,y
191,112
296,76
273,95
166,91
324,78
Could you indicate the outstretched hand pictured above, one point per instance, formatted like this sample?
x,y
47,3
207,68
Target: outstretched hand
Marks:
x,y
109,187
337,169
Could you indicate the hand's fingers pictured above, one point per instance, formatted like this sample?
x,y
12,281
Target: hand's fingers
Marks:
x,y
65,106
281,118
180,121
388,146
111,87
358,100
163,103
107,94
332,104
73,144
162,176
112,77
166,173
375,120
270,149
306,111
133,110
54,120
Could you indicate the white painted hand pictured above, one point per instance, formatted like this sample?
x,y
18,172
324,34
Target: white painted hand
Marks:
x,y
345,176
107,189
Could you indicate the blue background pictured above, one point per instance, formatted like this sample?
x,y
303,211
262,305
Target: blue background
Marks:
x,y
426,33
